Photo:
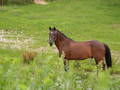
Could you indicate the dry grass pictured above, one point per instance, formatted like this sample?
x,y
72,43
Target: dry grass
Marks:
x,y
116,26
29,56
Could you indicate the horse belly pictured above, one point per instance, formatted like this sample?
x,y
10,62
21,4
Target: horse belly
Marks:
x,y
77,55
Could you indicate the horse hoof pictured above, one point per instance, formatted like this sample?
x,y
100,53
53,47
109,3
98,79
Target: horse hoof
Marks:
x,y
66,70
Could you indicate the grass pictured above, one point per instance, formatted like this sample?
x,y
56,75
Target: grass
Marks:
x,y
79,19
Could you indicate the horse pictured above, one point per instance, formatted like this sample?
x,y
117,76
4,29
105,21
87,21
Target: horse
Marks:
x,y
74,50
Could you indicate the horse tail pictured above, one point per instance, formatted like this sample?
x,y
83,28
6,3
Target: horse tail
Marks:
x,y
108,58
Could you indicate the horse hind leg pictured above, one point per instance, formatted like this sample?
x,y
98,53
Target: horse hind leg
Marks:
x,y
104,66
99,63
77,64
102,63
96,61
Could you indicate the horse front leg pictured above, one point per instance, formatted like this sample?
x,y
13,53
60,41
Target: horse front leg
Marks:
x,y
66,65
60,53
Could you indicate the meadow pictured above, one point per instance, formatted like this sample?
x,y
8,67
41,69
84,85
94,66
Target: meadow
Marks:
x,y
25,28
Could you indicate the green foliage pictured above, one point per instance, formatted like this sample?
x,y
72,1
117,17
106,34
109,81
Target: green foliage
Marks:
x,y
2,2
47,72
18,2
79,19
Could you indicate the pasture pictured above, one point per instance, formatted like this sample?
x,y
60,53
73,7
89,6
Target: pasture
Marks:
x,y
25,28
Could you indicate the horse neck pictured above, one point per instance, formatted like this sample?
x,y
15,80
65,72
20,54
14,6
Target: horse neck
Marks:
x,y
62,41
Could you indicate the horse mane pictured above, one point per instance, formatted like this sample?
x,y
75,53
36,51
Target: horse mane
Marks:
x,y
63,35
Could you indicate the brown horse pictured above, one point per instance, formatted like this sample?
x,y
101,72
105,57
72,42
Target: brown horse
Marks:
x,y
74,50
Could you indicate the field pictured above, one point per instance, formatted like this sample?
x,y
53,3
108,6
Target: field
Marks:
x,y
25,28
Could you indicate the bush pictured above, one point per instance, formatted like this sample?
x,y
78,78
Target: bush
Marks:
x,y
28,56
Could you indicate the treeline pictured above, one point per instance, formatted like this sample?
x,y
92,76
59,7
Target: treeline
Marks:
x,y
18,2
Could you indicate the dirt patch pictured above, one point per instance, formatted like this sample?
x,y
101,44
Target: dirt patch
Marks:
x,y
42,2
116,53
14,39
46,49
116,26
18,40
116,56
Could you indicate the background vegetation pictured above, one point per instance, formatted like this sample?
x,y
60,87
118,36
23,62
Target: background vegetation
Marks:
x,y
18,2
79,19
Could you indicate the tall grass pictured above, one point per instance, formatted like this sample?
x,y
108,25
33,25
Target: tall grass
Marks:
x,y
46,72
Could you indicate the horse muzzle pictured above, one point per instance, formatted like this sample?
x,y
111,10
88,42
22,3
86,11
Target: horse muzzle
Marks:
x,y
50,43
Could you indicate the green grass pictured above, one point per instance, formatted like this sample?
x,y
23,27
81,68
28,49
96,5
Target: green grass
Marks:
x,y
79,19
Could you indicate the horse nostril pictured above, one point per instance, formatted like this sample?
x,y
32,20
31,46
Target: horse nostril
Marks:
x,y
50,44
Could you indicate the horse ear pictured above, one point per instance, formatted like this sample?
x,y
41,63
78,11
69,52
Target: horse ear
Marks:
x,y
49,28
54,28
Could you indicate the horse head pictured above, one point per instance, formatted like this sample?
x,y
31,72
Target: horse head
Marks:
x,y
52,35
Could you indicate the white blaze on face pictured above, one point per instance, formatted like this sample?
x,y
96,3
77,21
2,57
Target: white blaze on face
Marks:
x,y
51,32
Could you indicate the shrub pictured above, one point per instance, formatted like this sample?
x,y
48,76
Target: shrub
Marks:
x,y
28,56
